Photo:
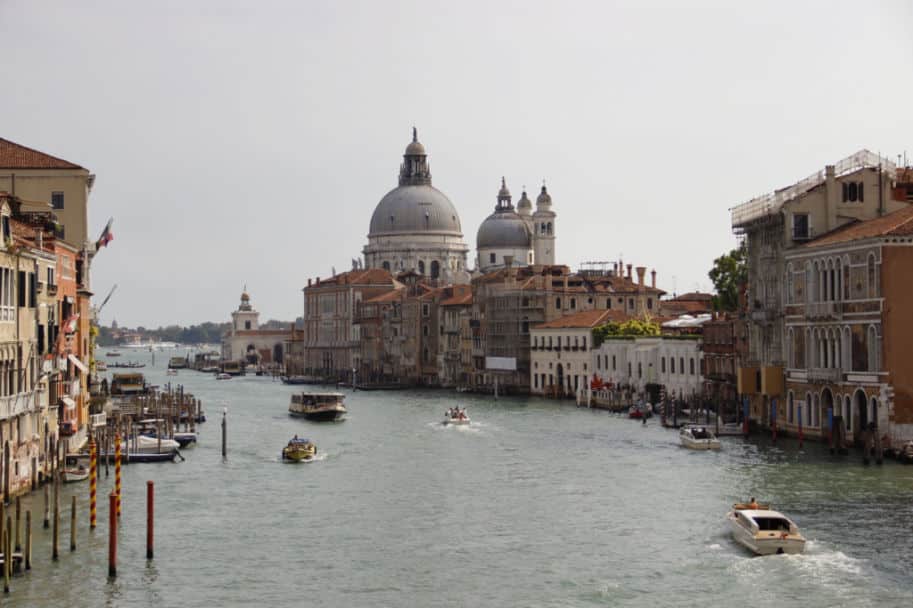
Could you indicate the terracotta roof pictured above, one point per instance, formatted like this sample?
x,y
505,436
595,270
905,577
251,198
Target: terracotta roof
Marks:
x,y
585,319
17,156
899,223
370,276
390,296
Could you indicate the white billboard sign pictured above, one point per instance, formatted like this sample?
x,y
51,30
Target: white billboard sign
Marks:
x,y
502,364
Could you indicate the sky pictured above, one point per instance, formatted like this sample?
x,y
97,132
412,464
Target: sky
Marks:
x,y
247,143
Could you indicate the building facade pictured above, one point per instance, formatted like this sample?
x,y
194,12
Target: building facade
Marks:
x,y
248,343
860,187
848,330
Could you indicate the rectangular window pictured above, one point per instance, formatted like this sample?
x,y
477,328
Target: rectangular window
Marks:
x,y
51,277
21,289
6,229
57,200
801,230
33,291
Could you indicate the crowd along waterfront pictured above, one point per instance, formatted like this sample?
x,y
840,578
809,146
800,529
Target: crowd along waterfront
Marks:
x,y
537,503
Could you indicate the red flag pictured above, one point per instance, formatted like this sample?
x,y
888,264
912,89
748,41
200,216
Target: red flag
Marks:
x,y
106,236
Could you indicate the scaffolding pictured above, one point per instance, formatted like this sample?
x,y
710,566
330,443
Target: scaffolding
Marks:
x,y
772,202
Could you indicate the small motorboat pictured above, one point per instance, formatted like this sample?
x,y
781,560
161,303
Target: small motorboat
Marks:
x,y
223,376
764,531
299,450
172,372
695,437
456,417
143,444
70,475
640,411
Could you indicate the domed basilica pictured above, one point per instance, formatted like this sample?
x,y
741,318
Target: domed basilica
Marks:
x,y
416,228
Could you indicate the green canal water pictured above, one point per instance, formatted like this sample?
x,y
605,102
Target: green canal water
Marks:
x,y
538,503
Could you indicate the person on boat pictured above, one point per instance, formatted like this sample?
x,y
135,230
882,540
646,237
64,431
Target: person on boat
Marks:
x,y
752,503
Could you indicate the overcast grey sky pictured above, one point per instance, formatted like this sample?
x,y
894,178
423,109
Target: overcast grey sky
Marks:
x,y
248,142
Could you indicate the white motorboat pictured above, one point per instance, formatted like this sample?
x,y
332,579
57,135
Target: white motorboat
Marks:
x,y
223,376
764,531
142,444
456,418
695,437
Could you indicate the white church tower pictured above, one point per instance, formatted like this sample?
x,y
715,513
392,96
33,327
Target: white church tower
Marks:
x,y
245,318
544,229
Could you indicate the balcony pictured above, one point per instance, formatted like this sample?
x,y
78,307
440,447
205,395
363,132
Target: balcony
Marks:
x,y
823,310
14,405
823,374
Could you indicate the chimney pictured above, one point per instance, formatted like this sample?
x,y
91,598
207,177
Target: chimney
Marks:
x,y
317,281
629,271
653,278
309,282
614,269
641,271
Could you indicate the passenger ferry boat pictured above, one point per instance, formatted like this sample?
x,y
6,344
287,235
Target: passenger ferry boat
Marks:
x,y
764,531
128,384
317,406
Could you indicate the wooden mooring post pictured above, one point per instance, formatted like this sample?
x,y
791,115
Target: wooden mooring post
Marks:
x,y
28,540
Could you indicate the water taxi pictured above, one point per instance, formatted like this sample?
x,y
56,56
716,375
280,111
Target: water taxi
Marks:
x,y
298,450
764,531
317,406
695,437
71,474
223,376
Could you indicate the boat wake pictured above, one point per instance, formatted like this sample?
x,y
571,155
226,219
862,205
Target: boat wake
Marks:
x,y
317,458
825,566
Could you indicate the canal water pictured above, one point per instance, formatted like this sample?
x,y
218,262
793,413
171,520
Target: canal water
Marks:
x,y
538,503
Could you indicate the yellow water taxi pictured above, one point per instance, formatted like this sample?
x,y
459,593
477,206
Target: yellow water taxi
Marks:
x,y
298,450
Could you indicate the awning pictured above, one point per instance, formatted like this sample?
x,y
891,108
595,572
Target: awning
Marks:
x,y
82,366
68,403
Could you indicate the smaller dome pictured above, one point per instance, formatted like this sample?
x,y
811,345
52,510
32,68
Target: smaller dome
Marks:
x,y
544,197
415,149
245,297
524,202
503,230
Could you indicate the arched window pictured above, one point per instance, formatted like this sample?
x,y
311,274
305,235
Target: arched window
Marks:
x,y
874,349
809,283
662,365
691,366
549,230
671,365
640,370
846,280
558,303
573,303
421,266
681,365
789,408
435,269
386,266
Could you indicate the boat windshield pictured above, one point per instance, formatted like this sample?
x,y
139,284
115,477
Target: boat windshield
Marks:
x,y
777,524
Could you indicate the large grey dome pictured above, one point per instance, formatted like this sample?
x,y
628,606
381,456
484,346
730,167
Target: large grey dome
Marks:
x,y
415,209
503,229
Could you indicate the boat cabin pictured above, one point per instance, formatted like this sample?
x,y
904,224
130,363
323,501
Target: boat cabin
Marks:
x,y
317,398
128,384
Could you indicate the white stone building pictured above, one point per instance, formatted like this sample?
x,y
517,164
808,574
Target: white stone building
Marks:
x,y
673,362
519,236
246,342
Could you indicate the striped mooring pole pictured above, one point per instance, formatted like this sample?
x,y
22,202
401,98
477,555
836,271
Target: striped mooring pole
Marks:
x,y
117,473
93,480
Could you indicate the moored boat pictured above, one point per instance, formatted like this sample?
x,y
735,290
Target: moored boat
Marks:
x,y
764,531
696,437
299,450
905,453
73,474
317,406
223,376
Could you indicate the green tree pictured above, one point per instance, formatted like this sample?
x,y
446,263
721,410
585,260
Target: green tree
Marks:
x,y
729,273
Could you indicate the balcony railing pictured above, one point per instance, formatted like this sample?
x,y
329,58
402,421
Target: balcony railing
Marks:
x,y
823,310
823,374
14,405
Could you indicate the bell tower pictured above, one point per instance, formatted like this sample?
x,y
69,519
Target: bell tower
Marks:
x,y
544,229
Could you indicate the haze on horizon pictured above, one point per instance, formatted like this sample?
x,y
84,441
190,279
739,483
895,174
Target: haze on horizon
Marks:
x,y
247,143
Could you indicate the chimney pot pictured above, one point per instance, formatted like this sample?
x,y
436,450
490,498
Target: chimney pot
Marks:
x,y
629,271
653,278
309,282
641,271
